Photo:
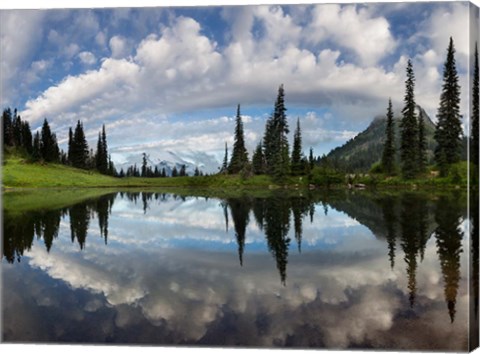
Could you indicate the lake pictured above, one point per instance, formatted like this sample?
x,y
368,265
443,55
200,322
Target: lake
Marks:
x,y
344,269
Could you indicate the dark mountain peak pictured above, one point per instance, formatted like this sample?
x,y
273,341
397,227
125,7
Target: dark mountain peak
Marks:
x,y
361,152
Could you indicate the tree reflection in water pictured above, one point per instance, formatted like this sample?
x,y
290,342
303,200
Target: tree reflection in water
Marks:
x,y
404,221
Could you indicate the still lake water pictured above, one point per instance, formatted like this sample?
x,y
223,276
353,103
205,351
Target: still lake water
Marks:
x,y
338,270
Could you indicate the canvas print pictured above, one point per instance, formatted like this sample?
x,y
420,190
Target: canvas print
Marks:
x,y
249,176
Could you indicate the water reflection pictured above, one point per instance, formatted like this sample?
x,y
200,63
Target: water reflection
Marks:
x,y
403,224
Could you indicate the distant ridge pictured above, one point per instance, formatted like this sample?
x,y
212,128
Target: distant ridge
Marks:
x,y
362,151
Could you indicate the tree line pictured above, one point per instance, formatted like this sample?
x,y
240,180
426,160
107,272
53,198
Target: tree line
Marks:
x,y
42,146
448,130
272,154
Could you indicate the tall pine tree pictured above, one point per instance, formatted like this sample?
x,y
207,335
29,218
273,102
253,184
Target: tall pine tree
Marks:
x,y
48,144
79,150
388,157
475,110
449,126
297,163
275,143
239,157
257,160
409,128
224,168
7,127
422,144
101,157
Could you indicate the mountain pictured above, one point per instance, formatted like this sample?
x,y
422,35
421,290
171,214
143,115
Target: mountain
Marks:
x,y
361,152
169,159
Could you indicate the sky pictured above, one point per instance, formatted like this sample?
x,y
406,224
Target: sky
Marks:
x,y
169,78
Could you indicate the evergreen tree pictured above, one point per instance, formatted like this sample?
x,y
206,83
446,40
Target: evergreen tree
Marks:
x,y
409,128
475,110
79,149
449,129
224,168
239,153
197,172
422,144
144,165
276,149
174,171
48,144
27,138
164,173
7,127
388,157
70,142
17,129
257,160
101,157
297,164
311,160
183,171
37,150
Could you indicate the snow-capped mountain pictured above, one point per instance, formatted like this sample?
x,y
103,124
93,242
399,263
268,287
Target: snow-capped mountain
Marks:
x,y
169,159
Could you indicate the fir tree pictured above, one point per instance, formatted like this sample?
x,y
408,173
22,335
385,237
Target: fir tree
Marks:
x,y
475,110
197,172
409,128
224,168
239,157
297,164
48,144
27,138
311,160
101,158
79,149
144,165
388,157
7,127
174,171
37,150
70,142
17,129
183,171
276,150
422,144
449,129
257,160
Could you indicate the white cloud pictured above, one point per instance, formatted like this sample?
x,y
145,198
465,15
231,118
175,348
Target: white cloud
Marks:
x,y
180,69
87,58
119,47
353,28
20,34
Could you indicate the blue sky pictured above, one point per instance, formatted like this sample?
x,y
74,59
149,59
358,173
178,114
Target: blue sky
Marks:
x,y
169,79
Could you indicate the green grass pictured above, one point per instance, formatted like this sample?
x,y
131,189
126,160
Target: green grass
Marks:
x,y
19,173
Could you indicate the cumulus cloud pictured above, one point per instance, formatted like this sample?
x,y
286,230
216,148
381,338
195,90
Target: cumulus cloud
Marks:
x,y
119,47
20,34
354,28
87,58
328,56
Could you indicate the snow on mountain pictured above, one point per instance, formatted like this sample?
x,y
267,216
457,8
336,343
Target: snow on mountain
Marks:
x,y
169,159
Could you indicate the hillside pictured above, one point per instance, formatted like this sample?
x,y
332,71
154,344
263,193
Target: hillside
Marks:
x,y
361,152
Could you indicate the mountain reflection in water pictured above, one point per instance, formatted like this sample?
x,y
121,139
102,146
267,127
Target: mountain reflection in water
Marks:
x,y
354,270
